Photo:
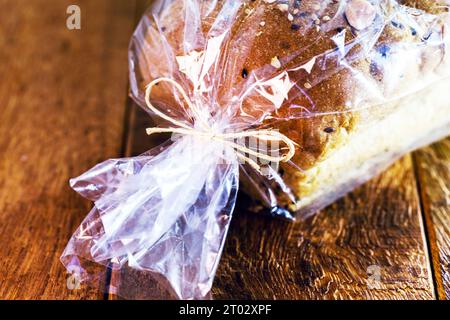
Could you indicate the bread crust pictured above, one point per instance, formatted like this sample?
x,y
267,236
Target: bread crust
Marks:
x,y
332,96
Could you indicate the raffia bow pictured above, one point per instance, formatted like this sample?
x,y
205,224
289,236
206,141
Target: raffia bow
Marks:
x,y
227,138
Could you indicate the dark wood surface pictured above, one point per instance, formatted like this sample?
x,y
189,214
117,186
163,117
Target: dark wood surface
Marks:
x,y
335,254
433,172
63,96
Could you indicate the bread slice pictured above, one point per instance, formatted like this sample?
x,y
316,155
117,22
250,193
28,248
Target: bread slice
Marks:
x,y
368,88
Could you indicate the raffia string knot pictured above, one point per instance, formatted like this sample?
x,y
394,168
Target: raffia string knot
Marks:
x,y
227,138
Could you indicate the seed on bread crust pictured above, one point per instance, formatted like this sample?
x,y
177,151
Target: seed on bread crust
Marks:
x,y
360,14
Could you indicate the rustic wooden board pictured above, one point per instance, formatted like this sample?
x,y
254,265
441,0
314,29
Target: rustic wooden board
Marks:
x,y
433,172
336,254
62,106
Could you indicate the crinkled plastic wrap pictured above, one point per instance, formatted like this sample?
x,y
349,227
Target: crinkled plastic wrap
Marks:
x,y
354,84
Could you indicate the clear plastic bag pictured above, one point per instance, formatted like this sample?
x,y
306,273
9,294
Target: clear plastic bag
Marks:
x,y
299,101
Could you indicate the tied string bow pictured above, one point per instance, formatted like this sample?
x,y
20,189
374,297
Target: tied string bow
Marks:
x,y
227,138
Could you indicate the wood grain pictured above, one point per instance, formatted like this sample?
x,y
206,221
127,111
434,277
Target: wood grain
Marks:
x,y
433,172
62,107
337,253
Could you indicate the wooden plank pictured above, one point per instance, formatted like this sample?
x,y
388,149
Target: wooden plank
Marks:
x,y
433,172
62,107
338,253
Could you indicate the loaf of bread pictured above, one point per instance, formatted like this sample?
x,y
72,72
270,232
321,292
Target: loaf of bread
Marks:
x,y
351,85
371,82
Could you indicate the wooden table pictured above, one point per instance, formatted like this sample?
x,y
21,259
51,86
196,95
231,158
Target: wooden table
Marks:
x,y
64,108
